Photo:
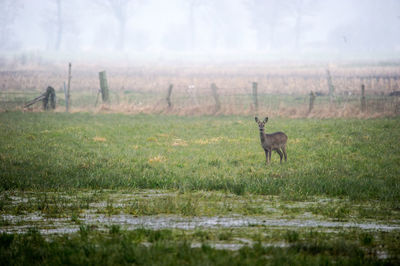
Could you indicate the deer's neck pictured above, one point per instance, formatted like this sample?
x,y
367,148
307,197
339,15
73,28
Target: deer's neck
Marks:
x,y
262,136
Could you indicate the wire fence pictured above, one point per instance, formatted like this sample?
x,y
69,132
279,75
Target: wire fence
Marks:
x,y
284,92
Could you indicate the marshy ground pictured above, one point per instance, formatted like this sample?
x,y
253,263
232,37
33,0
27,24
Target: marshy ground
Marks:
x,y
153,189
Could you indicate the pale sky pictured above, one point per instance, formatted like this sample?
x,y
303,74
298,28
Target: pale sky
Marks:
x,y
162,28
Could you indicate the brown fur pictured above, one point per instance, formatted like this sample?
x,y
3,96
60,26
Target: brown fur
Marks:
x,y
272,142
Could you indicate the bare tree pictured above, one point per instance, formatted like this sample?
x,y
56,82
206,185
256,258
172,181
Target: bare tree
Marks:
x,y
9,11
193,6
300,10
53,24
59,26
266,17
119,9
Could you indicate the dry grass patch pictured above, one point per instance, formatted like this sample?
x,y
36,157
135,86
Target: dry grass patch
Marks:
x,y
99,139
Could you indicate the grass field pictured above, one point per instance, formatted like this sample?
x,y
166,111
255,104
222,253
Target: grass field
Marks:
x,y
359,159
330,203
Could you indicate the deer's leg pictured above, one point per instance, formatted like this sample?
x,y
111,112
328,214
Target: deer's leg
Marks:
x,y
266,155
284,152
280,154
269,155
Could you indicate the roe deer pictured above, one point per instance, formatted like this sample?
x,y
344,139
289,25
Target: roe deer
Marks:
x,y
272,142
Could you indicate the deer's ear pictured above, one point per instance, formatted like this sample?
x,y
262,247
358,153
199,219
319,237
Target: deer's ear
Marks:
x,y
256,118
265,120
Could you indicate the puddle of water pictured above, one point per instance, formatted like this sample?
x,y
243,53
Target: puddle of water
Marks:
x,y
57,228
225,246
104,204
275,218
187,223
230,246
44,224
16,200
164,222
382,254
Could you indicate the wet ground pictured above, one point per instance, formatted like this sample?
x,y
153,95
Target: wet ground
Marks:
x,y
54,212
20,223
221,220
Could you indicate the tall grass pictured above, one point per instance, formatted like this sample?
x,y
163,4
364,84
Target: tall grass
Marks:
x,y
359,159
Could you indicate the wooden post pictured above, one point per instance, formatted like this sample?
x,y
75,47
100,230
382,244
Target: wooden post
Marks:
x,y
104,87
312,99
363,103
68,97
49,99
37,99
255,98
97,98
168,99
216,97
330,86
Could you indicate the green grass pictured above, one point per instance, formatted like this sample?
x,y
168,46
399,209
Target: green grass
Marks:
x,y
167,247
358,159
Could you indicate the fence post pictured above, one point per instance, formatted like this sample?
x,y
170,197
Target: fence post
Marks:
x,y
68,95
49,98
168,99
104,87
330,86
255,98
216,97
312,99
363,103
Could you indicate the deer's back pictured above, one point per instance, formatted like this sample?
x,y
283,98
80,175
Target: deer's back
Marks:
x,y
276,139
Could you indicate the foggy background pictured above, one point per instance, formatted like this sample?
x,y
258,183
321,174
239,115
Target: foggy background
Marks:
x,y
203,30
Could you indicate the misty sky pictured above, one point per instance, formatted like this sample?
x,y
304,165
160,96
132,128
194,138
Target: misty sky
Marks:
x,y
270,28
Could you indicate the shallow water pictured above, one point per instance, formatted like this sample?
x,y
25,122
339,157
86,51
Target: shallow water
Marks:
x,y
188,223
95,215
130,222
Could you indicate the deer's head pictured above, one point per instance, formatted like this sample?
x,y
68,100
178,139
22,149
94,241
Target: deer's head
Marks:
x,y
261,124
